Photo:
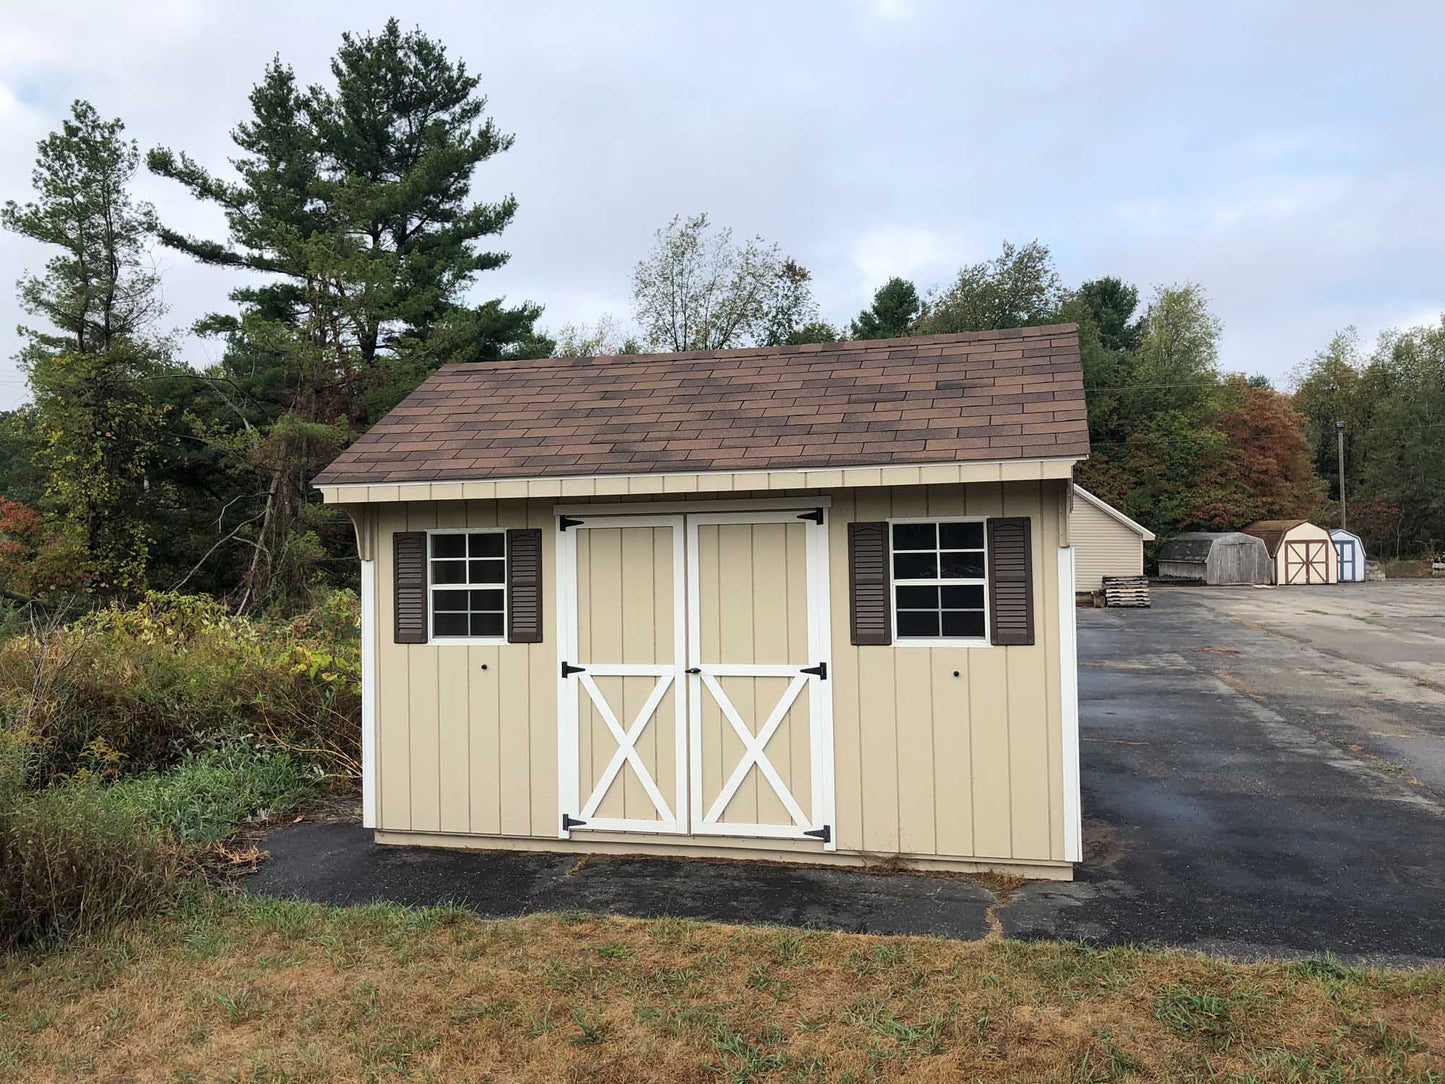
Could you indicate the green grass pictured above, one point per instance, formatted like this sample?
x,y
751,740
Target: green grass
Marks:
x,y
209,796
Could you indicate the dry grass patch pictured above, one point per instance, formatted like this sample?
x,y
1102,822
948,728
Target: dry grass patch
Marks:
x,y
1409,569
240,990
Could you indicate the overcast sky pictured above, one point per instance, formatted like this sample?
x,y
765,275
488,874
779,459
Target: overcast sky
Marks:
x,y
1289,157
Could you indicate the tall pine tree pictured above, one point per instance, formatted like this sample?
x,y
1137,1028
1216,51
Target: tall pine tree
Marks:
x,y
355,202
95,419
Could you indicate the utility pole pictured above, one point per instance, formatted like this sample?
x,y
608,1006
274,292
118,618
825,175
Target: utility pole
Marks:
x,y
1340,434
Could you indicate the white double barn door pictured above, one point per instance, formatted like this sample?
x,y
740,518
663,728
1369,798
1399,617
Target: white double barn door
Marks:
x,y
694,696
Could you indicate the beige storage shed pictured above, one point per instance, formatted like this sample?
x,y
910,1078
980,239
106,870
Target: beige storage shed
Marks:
x,y
811,603
1302,553
1107,542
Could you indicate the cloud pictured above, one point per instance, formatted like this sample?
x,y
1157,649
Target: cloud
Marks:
x,y
891,11
1295,175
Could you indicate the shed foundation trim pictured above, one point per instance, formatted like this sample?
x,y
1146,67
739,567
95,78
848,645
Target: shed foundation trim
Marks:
x,y
739,850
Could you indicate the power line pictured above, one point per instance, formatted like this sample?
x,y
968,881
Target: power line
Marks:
x,y
1357,432
1143,387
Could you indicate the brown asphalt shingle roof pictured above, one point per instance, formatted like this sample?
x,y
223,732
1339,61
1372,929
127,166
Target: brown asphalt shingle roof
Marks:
x,y
1272,531
1012,394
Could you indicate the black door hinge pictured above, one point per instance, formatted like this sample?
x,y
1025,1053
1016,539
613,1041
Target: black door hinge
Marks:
x,y
563,522
816,515
824,833
569,823
820,671
568,670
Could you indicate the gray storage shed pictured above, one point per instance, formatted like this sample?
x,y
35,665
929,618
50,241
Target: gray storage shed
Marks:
x,y
1216,558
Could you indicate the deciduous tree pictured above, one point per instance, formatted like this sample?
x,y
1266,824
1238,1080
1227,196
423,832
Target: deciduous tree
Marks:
x,y
1018,288
699,290
1392,402
603,338
1270,453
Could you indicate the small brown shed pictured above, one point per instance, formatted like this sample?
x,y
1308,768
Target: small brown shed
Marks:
x,y
1302,553
812,603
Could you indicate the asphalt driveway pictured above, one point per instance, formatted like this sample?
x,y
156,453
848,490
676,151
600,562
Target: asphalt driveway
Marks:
x,y
1262,774
1241,794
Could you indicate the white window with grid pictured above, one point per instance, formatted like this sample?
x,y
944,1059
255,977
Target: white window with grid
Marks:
x,y
467,585
940,581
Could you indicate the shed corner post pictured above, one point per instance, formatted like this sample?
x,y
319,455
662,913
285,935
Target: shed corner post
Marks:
x,y
365,526
1069,705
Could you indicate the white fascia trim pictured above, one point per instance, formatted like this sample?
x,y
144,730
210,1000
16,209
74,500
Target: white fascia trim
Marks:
x,y
1109,510
1069,704
368,694
339,492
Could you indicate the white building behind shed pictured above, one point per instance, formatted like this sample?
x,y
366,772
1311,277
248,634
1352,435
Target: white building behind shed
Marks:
x,y
1108,543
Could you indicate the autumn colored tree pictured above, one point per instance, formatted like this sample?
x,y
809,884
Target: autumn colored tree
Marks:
x,y
35,559
1269,453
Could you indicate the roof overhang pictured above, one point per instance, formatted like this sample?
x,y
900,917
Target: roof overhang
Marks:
x,y
608,485
1109,510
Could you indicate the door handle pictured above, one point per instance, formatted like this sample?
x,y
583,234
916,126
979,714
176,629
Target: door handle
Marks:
x,y
693,670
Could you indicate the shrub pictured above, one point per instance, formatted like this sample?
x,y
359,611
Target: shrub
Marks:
x,y
205,798
71,862
127,690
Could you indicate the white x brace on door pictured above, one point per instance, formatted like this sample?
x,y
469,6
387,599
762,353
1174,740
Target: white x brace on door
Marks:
x,y
622,740
694,689
759,703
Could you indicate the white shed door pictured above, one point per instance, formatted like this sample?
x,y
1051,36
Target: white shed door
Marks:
x,y
759,709
623,733
694,693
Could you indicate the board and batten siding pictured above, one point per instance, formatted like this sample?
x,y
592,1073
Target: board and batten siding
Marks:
x,y
1103,546
946,752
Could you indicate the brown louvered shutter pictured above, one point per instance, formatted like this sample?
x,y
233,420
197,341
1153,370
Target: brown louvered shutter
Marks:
x,y
524,586
1011,581
408,556
868,582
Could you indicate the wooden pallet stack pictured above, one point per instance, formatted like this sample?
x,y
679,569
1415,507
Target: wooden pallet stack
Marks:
x,y
1126,591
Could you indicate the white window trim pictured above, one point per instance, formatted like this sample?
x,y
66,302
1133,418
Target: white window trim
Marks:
x,y
466,641
986,640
